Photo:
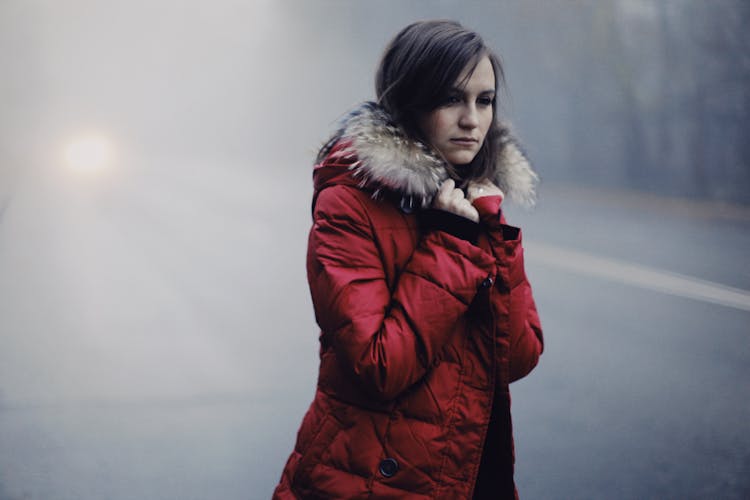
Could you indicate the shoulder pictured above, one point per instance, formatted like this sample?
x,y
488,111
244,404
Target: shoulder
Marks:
x,y
375,214
343,202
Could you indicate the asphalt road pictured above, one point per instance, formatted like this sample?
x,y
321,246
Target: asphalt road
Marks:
x,y
641,393
157,341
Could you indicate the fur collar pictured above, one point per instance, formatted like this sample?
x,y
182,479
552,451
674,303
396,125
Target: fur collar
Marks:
x,y
388,159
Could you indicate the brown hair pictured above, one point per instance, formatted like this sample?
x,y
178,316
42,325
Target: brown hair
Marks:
x,y
417,72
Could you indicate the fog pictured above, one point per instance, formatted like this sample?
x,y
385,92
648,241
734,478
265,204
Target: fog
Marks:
x,y
156,333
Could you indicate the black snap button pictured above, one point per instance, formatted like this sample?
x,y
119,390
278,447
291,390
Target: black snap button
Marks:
x,y
487,282
388,467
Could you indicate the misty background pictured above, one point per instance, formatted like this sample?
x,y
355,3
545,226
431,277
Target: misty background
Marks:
x,y
157,338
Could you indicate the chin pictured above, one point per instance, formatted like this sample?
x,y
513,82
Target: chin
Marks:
x,y
461,160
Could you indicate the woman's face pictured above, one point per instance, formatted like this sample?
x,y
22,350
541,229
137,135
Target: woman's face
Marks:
x,y
458,126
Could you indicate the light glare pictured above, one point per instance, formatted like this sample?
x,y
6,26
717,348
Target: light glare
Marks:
x,y
89,154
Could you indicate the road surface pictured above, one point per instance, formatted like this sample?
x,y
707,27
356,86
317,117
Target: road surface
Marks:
x,y
157,340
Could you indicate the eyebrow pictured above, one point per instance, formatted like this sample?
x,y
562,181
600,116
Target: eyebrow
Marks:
x,y
461,91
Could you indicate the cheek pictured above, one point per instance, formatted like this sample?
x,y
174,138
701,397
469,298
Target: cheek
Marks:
x,y
487,121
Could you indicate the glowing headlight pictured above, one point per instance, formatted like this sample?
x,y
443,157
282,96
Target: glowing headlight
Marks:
x,y
91,153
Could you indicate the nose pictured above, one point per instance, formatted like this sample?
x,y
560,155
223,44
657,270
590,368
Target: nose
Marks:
x,y
469,117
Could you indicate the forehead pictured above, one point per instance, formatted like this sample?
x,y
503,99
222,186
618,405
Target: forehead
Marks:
x,y
482,78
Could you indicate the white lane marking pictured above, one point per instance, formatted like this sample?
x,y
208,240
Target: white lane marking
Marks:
x,y
638,275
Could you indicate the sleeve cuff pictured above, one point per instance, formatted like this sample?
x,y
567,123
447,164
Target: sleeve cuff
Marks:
x,y
489,210
440,220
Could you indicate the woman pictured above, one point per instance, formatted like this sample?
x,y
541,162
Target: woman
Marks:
x,y
418,284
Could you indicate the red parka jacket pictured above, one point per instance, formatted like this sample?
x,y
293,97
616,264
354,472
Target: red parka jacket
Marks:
x,y
422,326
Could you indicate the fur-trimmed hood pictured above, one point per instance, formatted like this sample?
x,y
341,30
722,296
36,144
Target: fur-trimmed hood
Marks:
x,y
380,156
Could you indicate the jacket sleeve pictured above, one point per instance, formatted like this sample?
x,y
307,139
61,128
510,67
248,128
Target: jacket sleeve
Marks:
x,y
526,338
387,338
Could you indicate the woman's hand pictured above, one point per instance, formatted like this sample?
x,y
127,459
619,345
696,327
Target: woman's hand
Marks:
x,y
451,199
484,188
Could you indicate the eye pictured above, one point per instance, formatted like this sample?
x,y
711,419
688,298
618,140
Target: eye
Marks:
x,y
450,100
485,101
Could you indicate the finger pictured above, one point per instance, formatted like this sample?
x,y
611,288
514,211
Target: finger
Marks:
x,y
471,213
484,188
444,194
446,187
457,195
476,192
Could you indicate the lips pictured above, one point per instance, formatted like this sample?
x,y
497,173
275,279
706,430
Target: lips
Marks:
x,y
464,141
